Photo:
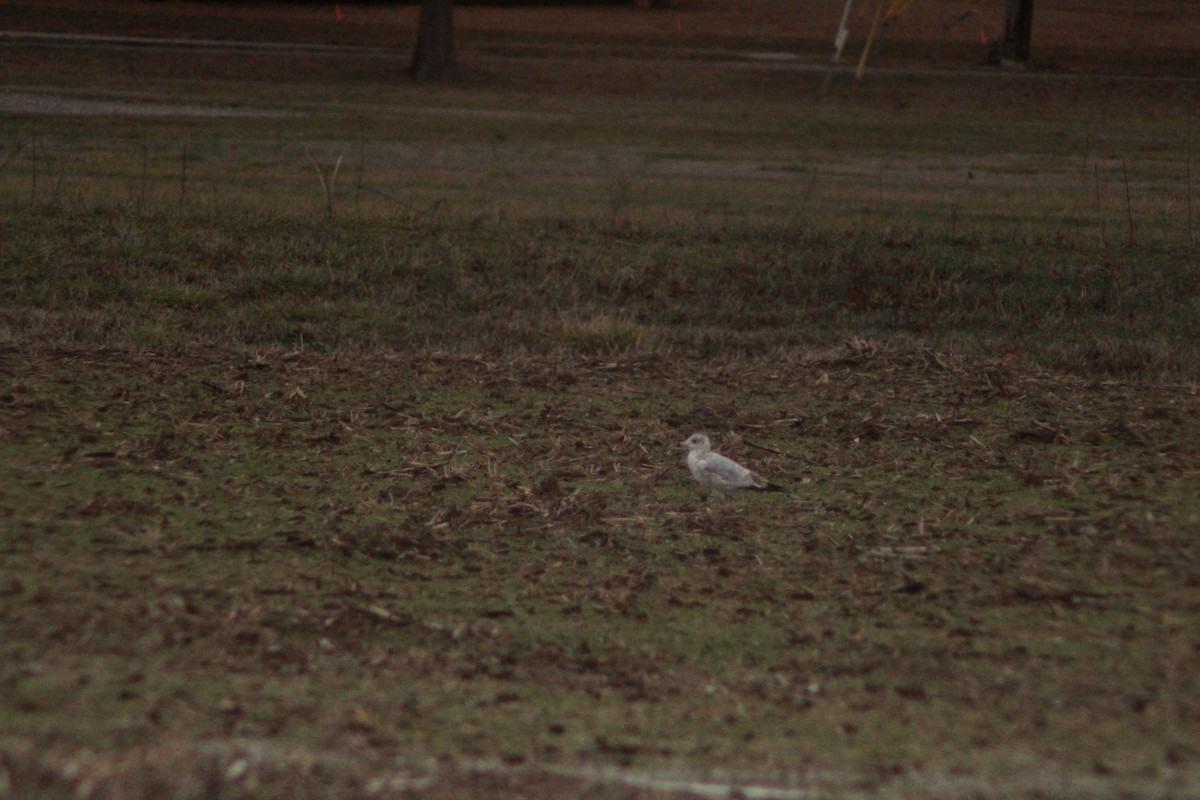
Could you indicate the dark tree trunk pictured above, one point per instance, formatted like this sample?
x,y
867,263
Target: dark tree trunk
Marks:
x,y
1018,28
433,57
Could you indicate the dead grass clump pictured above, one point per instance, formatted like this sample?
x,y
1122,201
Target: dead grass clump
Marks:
x,y
604,335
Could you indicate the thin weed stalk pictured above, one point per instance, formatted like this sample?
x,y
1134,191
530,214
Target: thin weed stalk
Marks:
x,y
33,177
183,178
8,159
1128,204
362,167
327,187
145,174
60,180
1191,227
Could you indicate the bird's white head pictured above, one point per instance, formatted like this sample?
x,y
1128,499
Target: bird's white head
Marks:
x,y
697,441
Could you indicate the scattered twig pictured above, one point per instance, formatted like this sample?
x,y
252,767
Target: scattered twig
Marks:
x,y
768,449
776,423
908,553
938,361
1035,591
381,614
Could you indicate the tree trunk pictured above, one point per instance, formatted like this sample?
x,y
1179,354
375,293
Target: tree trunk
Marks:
x,y
1018,27
433,57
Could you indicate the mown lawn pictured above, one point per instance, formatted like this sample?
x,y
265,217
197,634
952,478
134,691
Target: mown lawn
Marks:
x,y
371,485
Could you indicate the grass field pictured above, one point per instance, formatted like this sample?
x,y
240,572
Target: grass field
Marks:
x,y
340,419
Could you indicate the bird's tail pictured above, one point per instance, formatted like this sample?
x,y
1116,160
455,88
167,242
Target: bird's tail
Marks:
x,y
768,487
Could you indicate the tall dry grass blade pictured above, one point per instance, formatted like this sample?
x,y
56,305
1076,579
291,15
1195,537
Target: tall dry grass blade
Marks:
x,y
362,167
1128,203
326,187
141,205
33,178
333,181
16,151
183,178
1191,227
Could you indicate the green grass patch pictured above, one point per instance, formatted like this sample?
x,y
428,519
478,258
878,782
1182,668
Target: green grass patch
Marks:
x,y
521,286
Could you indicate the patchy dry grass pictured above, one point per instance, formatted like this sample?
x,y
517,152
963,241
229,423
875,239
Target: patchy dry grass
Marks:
x,y
517,287
378,491
981,566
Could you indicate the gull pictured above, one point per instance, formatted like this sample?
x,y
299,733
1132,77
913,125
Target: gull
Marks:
x,y
715,471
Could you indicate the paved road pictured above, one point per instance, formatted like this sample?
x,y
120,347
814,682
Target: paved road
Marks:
x,y
773,61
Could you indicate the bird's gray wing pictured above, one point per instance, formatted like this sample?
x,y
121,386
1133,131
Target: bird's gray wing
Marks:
x,y
725,473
